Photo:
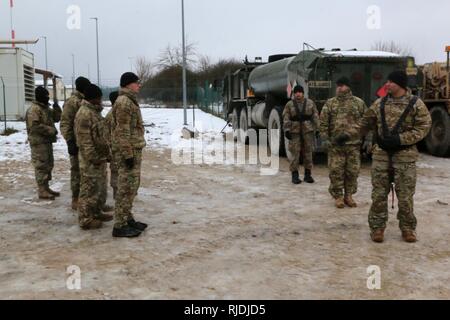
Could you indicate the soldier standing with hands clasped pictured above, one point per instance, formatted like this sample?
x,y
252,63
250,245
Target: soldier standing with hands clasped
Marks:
x,y
340,122
401,120
300,122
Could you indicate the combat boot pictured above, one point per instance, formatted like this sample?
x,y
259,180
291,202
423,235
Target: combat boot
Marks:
x,y
377,235
296,178
348,200
56,194
308,178
137,225
107,208
44,194
409,236
93,224
75,204
340,204
104,217
125,232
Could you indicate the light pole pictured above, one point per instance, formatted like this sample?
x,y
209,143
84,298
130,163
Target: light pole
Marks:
x,y
184,65
46,57
98,55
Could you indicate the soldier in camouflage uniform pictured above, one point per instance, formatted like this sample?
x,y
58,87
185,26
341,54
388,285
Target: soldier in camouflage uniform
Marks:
x,y
127,143
300,122
401,120
71,107
340,122
40,122
93,154
108,122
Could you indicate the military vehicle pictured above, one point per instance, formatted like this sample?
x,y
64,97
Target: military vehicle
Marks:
x,y
433,87
254,96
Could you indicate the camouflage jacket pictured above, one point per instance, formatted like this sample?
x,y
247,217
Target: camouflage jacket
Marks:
x,y
291,121
127,125
70,109
90,135
415,127
342,114
40,121
108,126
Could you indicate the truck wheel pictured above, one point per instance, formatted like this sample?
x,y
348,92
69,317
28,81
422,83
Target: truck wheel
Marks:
x,y
275,134
438,140
235,122
243,126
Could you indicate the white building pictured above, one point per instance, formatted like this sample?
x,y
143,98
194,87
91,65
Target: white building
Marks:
x,y
17,88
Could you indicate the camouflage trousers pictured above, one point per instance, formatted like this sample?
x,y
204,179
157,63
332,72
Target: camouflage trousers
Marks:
x,y
92,192
344,164
405,187
75,176
299,146
128,183
114,176
43,162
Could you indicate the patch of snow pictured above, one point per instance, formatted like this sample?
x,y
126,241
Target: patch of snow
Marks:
x,y
362,54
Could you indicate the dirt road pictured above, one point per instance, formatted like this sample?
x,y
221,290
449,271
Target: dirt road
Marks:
x,y
222,232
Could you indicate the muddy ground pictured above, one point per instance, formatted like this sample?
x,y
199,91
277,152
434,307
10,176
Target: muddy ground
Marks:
x,y
222,232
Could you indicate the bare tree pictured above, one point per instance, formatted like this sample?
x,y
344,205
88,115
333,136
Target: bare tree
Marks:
x,y
144,68
391,46
204,63
173,56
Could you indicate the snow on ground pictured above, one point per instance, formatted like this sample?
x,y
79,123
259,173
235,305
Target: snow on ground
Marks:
x,y
163,130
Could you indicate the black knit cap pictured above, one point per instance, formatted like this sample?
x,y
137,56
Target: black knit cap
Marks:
x,y
400,78
299,88
41,94
81,84
343,81
92,92
128,78
113,96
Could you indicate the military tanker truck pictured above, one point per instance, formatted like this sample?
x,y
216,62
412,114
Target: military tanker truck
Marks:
x,y
254,96
434,89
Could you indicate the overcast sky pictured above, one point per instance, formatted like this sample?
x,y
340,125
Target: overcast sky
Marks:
x,y
232,28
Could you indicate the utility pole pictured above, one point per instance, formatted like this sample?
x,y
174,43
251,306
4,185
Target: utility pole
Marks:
x,y
13,33
184,65
98,55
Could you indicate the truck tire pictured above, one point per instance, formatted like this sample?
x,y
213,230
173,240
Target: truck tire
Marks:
x,y
276,123
243,126
438,140
235,122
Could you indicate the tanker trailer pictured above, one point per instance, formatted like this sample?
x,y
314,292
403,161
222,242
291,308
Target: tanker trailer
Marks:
x,y
265,89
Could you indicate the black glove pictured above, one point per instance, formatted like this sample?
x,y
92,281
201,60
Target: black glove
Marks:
x,y
72,147
341,139
390,142
129,163
288,135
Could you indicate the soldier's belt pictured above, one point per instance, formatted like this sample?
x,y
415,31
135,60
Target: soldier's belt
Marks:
x,y
302,119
